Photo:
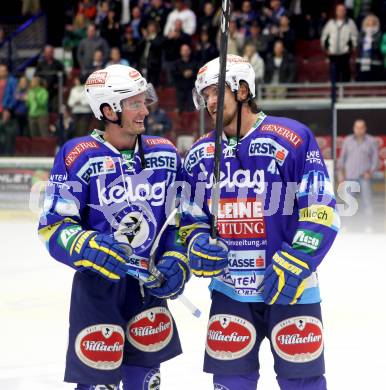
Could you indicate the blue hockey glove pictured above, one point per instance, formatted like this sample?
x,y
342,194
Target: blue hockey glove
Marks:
x,y
206,259
100,253
284,278
175,271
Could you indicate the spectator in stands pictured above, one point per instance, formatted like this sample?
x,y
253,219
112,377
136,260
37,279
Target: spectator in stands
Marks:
x,y
88,46
129,47
286,34
37,102
110,30
158,12
369,60
251,55
245,16
102,11
8,50
183,13
151,52
279,68
339,38
98,63
175,39
21,109
157,122
8,130
116,58
206,21
47,69
88,9
206,50
64,127
136,22
184,74
236,39
257,39
74,33
80,108
272,14
383,51
358,162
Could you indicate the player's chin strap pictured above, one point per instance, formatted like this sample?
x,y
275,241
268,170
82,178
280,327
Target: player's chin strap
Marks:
x,y
141,152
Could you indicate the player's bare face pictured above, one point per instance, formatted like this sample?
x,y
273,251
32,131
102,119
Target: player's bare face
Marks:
x,y
229,111
134,111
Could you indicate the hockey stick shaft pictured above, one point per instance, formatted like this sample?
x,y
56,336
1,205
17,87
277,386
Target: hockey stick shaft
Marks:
x,y
219,117
194,310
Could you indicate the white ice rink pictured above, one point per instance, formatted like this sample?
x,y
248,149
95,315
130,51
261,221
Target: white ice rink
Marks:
x,y
35,292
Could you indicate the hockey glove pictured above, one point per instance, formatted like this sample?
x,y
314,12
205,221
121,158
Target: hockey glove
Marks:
x,y
284,278
100,253
206,259
175,271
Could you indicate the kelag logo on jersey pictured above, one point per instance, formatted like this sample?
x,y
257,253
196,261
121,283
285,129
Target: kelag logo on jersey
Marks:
x,y
229,337
96,166
240,178
241,218
127,191
197,154
246,260
161,160
269,148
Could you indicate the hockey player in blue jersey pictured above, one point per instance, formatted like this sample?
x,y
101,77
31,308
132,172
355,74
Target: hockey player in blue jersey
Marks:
x,y
276,222
104,207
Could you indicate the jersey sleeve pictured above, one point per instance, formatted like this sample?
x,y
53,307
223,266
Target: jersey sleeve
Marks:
x,y
318,220
63,207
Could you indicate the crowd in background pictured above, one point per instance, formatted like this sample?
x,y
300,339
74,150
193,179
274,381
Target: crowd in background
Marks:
x,y
168,41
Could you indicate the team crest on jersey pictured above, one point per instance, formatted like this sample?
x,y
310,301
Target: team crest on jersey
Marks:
x,y
229,337
152,380
151,330
101,346
230,148
135,227
298,339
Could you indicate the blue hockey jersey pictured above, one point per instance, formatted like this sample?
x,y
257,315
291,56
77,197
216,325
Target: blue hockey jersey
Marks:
x,y
275,189
93,186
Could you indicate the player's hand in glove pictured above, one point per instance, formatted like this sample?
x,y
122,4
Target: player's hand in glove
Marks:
x,y
99,253
207,259
174,269
284,278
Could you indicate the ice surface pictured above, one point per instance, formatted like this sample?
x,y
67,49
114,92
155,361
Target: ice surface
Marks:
x,y
35,293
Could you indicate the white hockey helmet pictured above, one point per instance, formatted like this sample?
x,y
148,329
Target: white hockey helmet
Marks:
x,y
237,69
113,84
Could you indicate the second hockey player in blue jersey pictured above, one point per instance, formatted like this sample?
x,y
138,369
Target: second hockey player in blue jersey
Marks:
x,y
276,222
